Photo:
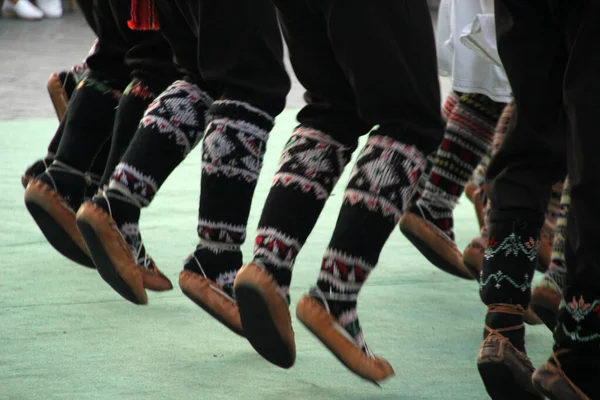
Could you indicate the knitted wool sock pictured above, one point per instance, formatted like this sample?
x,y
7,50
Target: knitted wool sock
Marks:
x,y
381,184
95,172
479,174
171,127
89,121
449,104
577,338
69,182
55,141
508,267
447,109
467,139
310,166
232,158
136,98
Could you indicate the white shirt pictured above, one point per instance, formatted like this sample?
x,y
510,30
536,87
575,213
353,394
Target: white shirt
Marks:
x,y
470,71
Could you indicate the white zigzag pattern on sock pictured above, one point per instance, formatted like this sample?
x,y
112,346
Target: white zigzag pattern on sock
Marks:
x,y
341,287
226,278
373,202
305,184
336,255
164,126
221,225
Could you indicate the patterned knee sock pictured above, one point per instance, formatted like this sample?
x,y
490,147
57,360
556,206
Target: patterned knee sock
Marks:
x,y
171,127
577,338
89,121
508,268
232,157
449,104
310,166
136,98
478,177
554,277
467,139
447,109
381,184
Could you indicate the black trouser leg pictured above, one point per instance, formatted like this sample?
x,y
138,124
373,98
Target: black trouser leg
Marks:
x,y
151,61
532,157
241,51
391,63
331,102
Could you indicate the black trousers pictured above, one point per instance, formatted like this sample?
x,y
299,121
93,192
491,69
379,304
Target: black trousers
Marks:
x,y
551,55
366,63
232,49
122,52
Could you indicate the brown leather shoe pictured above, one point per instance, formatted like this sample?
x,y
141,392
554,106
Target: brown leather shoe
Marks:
x,y
552,382
505,371
56,219
209,296
437,248
473,256
58,95
265,315
545,249
545,301
315,317
111,253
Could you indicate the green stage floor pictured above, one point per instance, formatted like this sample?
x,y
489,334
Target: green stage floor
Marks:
x,y
64,334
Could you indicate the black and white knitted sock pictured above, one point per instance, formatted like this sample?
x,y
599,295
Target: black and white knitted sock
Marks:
x,y
310,166
89,121
136,99
171,127
381,184
467,139
508,267
232,158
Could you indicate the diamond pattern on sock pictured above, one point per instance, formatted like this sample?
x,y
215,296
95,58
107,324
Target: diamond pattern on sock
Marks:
x,y
175,113
310,166
312,162
234,147
385,177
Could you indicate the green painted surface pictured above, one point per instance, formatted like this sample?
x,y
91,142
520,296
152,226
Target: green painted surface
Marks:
x,y
65,335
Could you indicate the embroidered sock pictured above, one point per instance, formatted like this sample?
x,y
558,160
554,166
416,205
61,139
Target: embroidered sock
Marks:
x,y
381,184
467,139
579,319
232,158
136,98
171,127
310,166
577,337
508,267
89,121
